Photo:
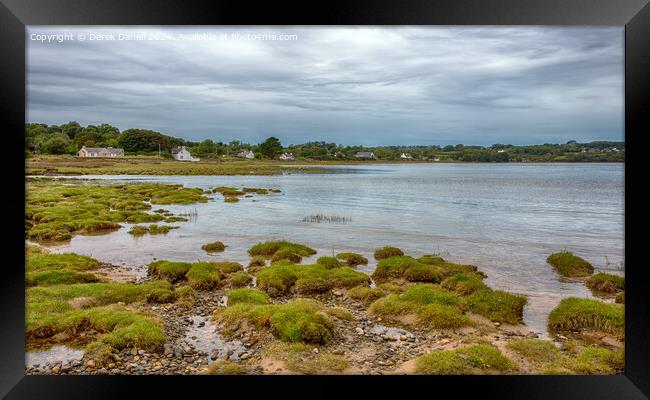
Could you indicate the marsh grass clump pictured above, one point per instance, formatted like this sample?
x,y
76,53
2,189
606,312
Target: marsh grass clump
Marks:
x,y
328,262
225,367
200,275
58,212
463,361
52,309
203,276
405,267
161,296
590,360
257,262
575,314
300,358
268,249
260,191
170,270
570,265
231,199
425,304
299,320
247,296
44,268
536,350
464,283
175,219
497,305
606,283
352,259
340,313
59,277
286,254
153,229
365,294
214,247
281,278
431,259
387,251
240,279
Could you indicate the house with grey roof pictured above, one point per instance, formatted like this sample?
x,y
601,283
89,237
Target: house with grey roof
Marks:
x,y
366,155
102,152
246,154
180,153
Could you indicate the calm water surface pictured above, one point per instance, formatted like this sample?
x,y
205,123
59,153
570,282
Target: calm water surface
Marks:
x,y
504,218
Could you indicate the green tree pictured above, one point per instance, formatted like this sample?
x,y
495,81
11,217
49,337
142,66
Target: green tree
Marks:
x,y
57,143
270,147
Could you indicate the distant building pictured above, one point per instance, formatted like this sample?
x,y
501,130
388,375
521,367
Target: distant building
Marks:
x,y
182,154
246,154
287,156
100,152
367,155
406,156
436,159
501,151
339,154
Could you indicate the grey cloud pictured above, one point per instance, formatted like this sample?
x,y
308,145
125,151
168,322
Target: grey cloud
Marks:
x,y
371,85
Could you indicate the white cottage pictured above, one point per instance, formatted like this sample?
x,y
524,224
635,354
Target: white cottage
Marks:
x,y
100,152
406,156
182,154
246,154
287,156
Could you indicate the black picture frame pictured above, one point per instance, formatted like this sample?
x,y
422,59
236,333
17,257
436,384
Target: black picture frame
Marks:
x,y
16,14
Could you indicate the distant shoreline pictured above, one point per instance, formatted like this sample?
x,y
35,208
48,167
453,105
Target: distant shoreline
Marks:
x,y
148,165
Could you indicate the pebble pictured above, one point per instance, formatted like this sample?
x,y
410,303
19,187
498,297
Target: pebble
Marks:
x,y
359,331
90,363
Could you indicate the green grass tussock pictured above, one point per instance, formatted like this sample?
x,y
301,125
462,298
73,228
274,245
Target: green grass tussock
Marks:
x,y
497,305
467,360
575,314
268,249
387,251
214,247
44,268
340,313
200,275
352,259
464,283
299,320
329,262
536,350
247,296
365,294
606,283
405,267
570,265
431,306
281,278
153,229
240,279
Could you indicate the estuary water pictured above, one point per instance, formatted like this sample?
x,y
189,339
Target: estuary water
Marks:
x,y
504,218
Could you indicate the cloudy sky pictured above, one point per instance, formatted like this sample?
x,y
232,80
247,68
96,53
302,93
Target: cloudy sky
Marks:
x,y
366,85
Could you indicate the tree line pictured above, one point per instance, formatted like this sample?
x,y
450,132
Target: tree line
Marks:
x,y
69,138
